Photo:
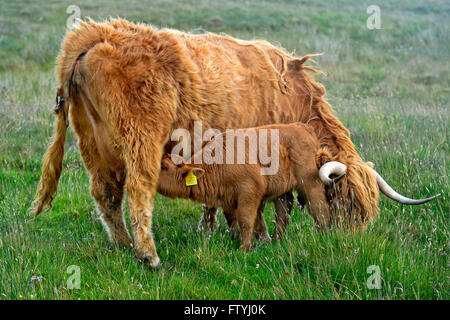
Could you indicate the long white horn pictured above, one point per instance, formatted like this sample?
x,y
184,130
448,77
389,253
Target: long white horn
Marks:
x,y
391,193
335,168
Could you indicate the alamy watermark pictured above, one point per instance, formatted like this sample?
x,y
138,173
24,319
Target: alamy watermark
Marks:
x,y
73,21
374,20
374,281
74,280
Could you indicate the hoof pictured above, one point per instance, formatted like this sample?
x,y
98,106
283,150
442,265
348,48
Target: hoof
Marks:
x,y
206,227
266,238
262,236
200,228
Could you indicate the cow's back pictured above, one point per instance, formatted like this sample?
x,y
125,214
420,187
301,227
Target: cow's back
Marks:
x,y
243,83
223,82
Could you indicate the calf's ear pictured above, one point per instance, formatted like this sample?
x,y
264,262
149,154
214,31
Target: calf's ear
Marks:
x,y
187,169
198,172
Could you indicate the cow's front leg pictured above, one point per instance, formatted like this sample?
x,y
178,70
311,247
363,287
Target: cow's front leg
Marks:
x,y
208,220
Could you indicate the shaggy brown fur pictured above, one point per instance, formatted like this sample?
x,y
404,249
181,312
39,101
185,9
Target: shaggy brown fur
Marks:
x,y
240,188
129,86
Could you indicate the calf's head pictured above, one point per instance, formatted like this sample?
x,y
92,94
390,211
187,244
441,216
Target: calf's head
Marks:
x,y
176,177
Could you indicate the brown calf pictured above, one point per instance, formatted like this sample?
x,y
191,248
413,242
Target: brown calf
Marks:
x,y
240,188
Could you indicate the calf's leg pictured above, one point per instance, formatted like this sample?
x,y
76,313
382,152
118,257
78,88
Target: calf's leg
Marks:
x,y
283,207
230,216
208,220
246,215
260,228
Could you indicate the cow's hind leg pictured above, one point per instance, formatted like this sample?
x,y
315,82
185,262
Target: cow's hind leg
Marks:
x,y
105,188
108,196
129,121
140,201
143,161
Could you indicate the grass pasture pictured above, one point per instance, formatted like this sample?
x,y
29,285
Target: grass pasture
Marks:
x,y
390,87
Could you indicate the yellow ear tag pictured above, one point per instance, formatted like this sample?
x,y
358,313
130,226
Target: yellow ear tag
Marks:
x,y
191,179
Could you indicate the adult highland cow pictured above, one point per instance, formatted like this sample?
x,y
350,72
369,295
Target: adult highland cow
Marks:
x,y
126,87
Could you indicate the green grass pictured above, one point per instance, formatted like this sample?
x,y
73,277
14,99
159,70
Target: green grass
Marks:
x,y
390,87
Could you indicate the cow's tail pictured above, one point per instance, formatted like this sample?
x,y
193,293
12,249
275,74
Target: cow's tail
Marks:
x,y
53,158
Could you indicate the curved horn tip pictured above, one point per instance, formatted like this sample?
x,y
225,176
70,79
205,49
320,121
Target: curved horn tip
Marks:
x,y
435,196
387,190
